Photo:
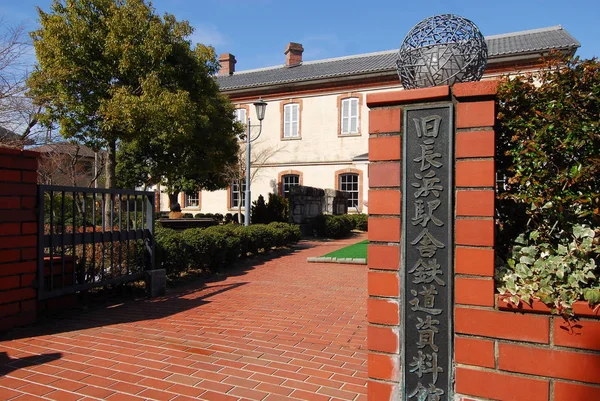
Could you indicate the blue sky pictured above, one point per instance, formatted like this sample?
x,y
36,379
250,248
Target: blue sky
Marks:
x,y
257,31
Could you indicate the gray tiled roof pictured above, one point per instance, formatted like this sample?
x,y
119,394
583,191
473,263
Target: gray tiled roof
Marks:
x,y
509,44
66,148
7,134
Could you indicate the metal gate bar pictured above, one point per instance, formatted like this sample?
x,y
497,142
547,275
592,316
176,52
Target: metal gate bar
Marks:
x,y
81,236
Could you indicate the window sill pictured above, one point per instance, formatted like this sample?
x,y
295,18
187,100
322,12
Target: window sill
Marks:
x,y
294,138
349,135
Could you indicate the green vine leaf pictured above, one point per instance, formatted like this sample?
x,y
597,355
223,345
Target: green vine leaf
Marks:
x,y
592,295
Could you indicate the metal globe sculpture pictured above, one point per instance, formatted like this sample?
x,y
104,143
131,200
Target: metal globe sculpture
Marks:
x,y
442,50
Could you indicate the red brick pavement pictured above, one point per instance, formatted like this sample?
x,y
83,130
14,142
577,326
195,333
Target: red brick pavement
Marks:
x,y
281,330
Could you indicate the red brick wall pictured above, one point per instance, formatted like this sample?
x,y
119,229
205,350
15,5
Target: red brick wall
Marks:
x,y
18,237
500,354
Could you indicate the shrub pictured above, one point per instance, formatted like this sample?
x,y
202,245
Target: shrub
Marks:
x,y
333,226
549,150
277,209
258,238
259,213
172,253
291,232
204,247
217,246
234,231
198,215
230,245
359,221
188,216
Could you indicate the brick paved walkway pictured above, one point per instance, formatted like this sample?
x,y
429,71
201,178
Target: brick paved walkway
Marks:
x,y
282,330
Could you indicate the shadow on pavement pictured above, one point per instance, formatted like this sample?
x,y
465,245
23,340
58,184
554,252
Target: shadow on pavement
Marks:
x,y
8,364
187,294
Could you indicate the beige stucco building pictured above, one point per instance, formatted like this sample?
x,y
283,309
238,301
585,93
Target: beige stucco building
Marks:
x,y
315,131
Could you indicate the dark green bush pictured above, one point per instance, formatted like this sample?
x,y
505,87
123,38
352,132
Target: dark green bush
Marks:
x,y
548,148
188,216
172,253
259,213
198,215
278,209
359,221
206,248
333,226
291,232
235,231
215,247
258,238
231,244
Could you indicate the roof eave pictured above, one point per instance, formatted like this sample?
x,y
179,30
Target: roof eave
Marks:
x,y
310,82
531,54
496,59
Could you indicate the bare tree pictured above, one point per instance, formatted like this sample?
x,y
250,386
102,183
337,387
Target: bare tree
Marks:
x,y
18,114
236,173
70,163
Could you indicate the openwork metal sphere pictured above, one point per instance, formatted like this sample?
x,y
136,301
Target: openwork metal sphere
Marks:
x,y
442,50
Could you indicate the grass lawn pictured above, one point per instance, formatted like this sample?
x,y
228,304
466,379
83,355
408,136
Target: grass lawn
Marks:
x,y
358,250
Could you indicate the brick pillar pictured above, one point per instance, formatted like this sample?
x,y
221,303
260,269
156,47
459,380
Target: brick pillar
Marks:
x,y
18,237
474,225
474,239
474,197
384,253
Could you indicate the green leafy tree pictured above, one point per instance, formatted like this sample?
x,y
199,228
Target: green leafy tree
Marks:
x,y
113,72
549,148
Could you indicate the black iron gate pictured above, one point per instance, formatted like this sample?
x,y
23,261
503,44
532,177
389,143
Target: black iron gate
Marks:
x,y
92,237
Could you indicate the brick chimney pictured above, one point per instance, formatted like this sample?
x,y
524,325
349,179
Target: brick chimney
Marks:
x,y
293,54
227,62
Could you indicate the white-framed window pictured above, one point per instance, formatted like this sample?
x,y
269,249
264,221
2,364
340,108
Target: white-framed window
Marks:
x,y
237,196
191,199
349,116
287,182
240,116
349,183
291,119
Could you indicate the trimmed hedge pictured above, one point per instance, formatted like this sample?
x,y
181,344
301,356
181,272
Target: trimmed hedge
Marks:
x,y
333,226
359,221
171,252
216,247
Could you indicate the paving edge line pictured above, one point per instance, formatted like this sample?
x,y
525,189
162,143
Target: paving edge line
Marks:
x,y
323,259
